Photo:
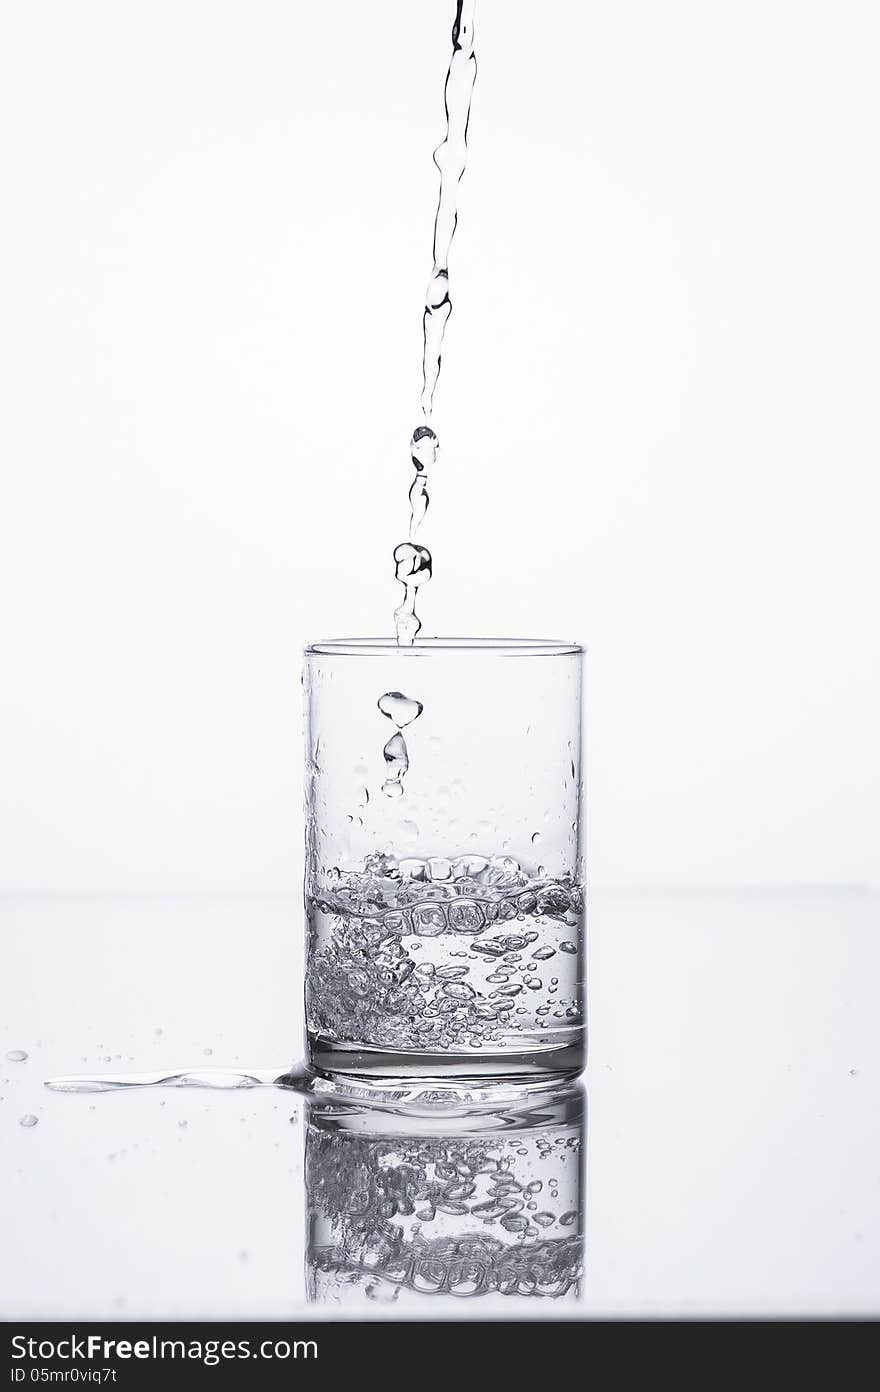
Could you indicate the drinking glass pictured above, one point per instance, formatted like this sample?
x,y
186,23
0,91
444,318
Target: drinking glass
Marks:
x,y
444,867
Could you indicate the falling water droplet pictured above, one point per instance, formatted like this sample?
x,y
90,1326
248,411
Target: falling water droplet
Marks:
x,y
402,710
412,567
423,449
396,756
405,621
412,564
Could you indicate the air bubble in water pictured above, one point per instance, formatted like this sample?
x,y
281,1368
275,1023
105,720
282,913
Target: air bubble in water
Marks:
x,y
400,709
28,1120
514,1222
458,990
17,1055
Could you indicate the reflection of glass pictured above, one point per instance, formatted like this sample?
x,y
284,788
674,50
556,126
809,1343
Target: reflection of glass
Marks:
x,y
471,1205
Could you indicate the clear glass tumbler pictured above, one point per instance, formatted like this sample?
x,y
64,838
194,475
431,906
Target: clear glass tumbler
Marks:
x,y
444,867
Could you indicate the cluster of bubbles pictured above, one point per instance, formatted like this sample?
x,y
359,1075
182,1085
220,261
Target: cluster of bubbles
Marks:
x,y
498,885
459,1216
444,955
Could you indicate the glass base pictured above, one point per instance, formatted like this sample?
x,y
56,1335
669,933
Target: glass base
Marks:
x,y
357,1071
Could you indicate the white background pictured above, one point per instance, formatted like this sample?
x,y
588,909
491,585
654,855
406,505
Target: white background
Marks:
x,y
658,413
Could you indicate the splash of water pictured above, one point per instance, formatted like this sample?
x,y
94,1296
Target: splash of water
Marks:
x,y
458,957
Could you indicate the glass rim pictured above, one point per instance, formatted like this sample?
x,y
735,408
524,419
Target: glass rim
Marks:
x,y
427,647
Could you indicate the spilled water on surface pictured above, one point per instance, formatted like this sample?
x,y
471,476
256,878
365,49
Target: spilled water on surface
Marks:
x,y
215,1079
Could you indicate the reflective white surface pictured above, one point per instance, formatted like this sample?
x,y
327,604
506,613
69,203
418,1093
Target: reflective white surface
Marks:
x,y
733,1136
